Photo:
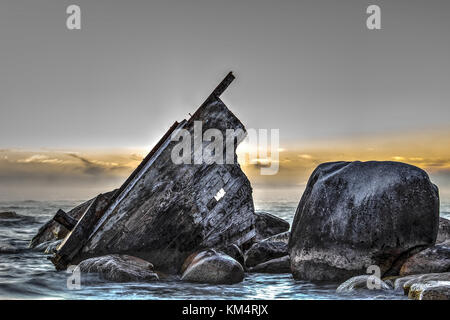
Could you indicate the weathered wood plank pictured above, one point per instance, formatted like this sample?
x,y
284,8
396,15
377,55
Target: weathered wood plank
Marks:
x,y
64,219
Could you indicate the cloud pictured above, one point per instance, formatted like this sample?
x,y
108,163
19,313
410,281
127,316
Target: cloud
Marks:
x,y
97,167
38,158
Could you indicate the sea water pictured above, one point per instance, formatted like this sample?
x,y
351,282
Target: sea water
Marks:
x,y
27,274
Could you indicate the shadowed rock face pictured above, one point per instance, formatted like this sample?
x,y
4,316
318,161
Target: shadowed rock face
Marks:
x,y
170,210
213,267
356,214
432,260
268,249
278,265
267,225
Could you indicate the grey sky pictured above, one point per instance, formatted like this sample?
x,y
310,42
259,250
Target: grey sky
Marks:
x,y
309,68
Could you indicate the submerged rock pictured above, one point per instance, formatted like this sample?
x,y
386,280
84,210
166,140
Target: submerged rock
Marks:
x,y
8,215
213,267
368,282
432,260
267,225
265,250
356,214
278,265
444,230
119,268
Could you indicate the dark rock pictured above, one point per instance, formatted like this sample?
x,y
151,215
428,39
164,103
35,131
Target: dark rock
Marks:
x,y
8,215
356,214
444,230
278,265
268,249
432,260
211,266
267,225
119,268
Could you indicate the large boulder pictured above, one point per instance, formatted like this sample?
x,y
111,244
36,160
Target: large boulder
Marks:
x,y
119,268
267,249
444,230
267,225
432,260
356,214
213,267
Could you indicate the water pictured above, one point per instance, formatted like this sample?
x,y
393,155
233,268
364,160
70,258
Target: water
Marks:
x,y
26,274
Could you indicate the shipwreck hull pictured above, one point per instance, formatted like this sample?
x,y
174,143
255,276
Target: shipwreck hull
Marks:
x,y
166,211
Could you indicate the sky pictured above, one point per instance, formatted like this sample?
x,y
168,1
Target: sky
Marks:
x,y
80,108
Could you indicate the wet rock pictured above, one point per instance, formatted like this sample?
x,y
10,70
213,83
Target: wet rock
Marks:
x,y
8,215
213,267
432,260
165,210
432,290
368,282
356,214
278,265
444,231
267,225
265,250
405,283
119,268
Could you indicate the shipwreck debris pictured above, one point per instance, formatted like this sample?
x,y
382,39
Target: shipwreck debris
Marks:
x,y
164,211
